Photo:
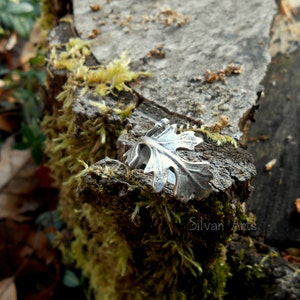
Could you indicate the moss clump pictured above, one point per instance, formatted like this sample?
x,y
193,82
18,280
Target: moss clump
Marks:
x,y
75,134
214,284
103,80
218,138
149,240
70,139
47,20
253,275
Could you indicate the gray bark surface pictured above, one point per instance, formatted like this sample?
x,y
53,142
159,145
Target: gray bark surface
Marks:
x,y
216,34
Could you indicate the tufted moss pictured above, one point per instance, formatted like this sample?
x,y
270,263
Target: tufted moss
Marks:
x,y
47,18
74,139
94,138
254,266
53,13
214,285
218,138
148,239
103,80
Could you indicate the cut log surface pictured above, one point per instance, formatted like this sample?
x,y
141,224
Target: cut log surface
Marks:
x,y
178,42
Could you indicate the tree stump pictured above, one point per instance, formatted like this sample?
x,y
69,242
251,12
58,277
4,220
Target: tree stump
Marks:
x,y
199,65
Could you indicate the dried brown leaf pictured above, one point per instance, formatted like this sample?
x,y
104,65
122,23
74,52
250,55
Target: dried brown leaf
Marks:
x,y
9,208
11,161
8,289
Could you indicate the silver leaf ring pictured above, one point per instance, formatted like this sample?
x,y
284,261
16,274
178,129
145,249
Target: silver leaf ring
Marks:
x,y
157,152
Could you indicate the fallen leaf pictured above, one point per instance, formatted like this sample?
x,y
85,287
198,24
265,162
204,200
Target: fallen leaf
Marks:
x,y
11,41
11,161
20,186
9,208
10,121
42,248
8,289
42,173
286,29
95,7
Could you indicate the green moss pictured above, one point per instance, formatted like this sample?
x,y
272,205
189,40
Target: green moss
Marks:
x,y
148,239
47,19
218,138
252,267
135,244
95,138
103,80
97,248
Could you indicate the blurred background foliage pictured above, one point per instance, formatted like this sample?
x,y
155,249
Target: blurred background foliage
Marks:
x,y
21,75
18,16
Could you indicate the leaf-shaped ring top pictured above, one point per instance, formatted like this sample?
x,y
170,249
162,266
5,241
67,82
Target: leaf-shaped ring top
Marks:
x,y
158,155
